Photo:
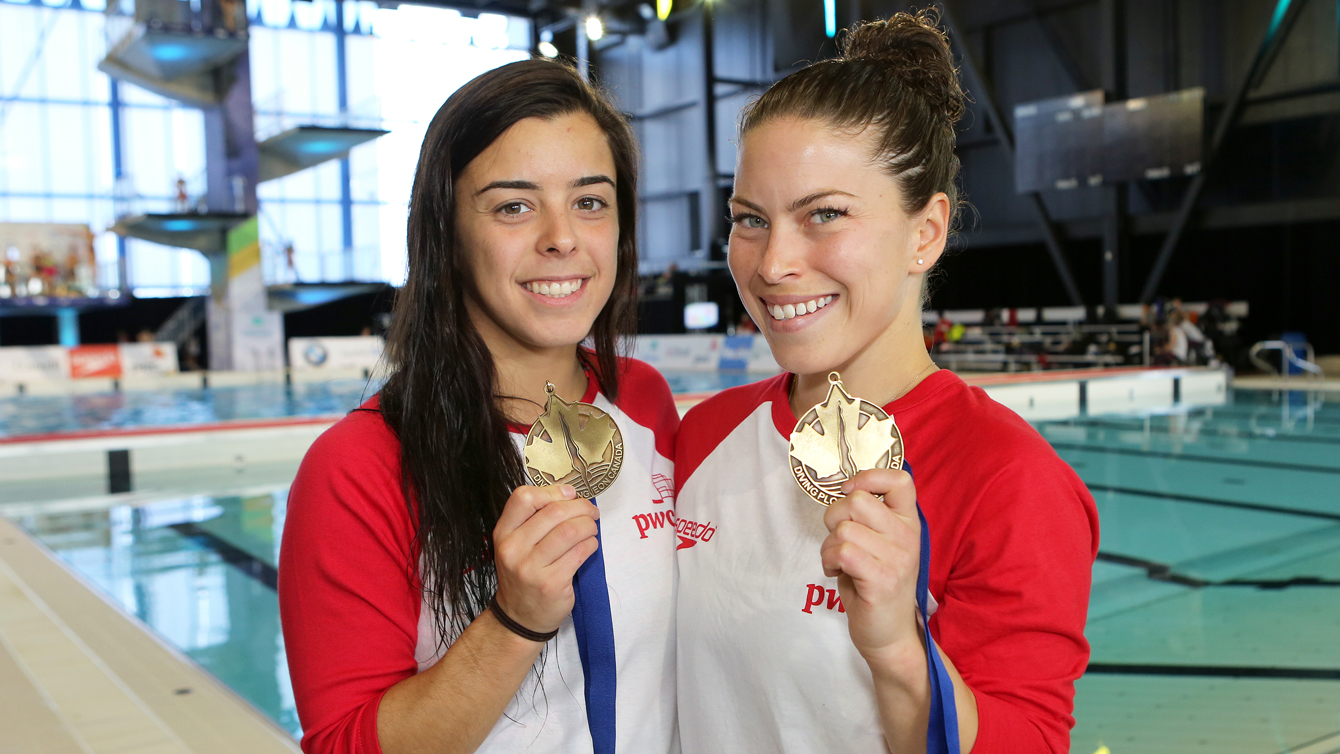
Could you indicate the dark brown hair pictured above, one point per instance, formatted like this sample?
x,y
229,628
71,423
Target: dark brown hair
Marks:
x,y
896,75
458,461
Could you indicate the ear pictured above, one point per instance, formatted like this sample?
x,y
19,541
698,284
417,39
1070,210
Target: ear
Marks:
x,y
931,226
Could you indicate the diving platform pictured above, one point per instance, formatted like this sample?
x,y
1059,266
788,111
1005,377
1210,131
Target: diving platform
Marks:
x,y
296,297
307,146
206,233
174,49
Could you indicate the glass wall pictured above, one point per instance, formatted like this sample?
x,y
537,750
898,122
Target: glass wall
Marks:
x,y
58,164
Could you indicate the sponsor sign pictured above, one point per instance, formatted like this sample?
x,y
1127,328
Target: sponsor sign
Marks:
x,y
706,353
335,353
148,358
95,361
113,360
34,363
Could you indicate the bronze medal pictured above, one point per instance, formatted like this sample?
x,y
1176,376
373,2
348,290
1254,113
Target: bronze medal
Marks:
x,y
573,443
838,438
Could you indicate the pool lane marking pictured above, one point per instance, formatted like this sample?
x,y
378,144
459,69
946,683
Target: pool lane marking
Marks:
x,y
1215,501
231,554
1187,457
1253,435
1319,745
1218,671
1156,571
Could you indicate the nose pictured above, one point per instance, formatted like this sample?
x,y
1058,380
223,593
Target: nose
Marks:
x,y
558,235
781,258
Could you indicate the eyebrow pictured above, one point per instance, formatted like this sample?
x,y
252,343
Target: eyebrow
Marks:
x,y
816,196
589,180
797,204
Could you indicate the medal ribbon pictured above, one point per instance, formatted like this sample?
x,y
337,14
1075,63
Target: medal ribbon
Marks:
x,y
942,731
594,624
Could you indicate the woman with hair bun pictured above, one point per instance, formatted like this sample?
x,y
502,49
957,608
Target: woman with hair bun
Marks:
x,y
800,628
431,599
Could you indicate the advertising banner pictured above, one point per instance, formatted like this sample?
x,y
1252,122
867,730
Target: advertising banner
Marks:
x,y
335,353
34,363
29,364
95,361
148,358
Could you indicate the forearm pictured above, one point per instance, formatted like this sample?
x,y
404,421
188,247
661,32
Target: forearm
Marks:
x,y
903,692
452,706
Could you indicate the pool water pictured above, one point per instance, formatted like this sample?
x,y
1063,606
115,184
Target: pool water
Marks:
x,y
23,415
1214,622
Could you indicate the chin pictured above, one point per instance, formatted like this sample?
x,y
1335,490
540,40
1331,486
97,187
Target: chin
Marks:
x,y
799,359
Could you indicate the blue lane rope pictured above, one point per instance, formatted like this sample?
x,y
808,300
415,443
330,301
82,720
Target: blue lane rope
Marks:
x,y
942,731
594,624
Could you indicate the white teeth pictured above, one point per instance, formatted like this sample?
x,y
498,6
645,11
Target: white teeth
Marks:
x,y
555,290
790,311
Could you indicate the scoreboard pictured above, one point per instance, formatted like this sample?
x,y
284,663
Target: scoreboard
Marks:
x,y
1069,142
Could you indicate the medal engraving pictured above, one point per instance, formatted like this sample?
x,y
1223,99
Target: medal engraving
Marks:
x,y
838,438
573,443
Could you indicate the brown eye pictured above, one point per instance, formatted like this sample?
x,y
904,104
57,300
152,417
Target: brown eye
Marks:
x,y
514,209
590,203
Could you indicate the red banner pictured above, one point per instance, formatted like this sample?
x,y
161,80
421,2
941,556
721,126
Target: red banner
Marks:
x,y
95,361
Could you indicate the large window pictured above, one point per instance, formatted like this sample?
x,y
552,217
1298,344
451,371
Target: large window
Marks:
x,y
57,157
55,148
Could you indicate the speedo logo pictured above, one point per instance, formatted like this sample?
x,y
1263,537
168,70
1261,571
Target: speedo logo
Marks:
x,y
691,532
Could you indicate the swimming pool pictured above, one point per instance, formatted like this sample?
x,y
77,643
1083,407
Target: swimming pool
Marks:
x,y
1215,623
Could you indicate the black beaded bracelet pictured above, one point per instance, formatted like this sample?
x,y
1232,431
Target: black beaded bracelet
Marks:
x,y
517,628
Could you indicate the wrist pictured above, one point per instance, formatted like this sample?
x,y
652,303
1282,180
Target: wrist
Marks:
x,y
522,631
902,663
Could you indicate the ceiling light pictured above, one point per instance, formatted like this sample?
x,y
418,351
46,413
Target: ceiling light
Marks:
x,y
548,49
663,8
594,29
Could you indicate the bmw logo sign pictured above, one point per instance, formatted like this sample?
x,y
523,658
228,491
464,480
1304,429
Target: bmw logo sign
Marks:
x,y
315,354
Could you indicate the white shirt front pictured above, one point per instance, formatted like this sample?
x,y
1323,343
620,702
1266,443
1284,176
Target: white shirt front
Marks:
x,y
548,713
756,611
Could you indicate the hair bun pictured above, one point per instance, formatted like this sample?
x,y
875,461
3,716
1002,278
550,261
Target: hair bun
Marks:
x,y
917,53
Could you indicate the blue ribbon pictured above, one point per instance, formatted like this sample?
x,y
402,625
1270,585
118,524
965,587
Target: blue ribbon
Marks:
x,y
942,731
594,623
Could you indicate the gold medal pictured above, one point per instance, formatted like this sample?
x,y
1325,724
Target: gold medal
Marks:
x,y
838,438
573,443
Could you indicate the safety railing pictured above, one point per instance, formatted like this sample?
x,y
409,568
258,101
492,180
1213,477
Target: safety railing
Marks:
x,y
1287,357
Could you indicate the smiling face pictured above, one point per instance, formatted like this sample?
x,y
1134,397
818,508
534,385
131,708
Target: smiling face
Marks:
x,y
539,231
821,249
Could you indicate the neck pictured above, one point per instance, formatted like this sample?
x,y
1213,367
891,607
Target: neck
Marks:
x,y
523,370
886,369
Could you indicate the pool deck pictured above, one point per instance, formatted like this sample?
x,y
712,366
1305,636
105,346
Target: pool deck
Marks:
x,y
79,675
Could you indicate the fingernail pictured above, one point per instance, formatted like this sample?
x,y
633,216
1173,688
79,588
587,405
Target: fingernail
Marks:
x,y
847,487
569,491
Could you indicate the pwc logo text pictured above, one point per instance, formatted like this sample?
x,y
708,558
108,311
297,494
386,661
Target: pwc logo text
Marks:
x,y
817,596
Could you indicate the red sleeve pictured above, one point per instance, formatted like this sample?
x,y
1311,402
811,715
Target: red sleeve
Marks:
x,y
645,396
1016,600
348,597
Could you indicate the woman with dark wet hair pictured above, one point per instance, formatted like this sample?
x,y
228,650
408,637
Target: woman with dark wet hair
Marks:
x,y
431,599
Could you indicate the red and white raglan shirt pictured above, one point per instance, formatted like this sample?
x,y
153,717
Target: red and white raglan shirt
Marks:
x,y
766,663
354,618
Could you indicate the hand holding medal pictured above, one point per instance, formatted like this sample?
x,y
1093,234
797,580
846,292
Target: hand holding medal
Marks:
x,y
847,454
548,531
